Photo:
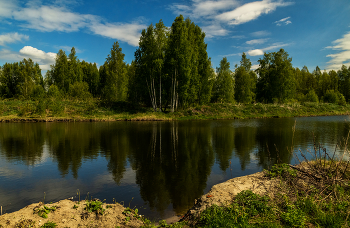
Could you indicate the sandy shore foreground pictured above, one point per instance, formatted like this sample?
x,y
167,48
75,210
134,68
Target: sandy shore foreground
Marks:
x,y
71,214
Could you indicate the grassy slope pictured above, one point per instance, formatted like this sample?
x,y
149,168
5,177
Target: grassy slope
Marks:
x,y
77,110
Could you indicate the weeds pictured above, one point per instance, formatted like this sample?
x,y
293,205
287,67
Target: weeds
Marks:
x,y
43,212
49,225
95,206
314,193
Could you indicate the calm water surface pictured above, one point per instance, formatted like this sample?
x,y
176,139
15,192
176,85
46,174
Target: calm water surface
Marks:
x,y
159,167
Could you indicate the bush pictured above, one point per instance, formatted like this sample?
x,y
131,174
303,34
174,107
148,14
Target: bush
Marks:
x,y
311,96
79,90
334,97
54,92
38,93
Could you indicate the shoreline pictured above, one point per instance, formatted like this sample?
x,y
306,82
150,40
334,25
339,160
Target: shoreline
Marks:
x,y
67,215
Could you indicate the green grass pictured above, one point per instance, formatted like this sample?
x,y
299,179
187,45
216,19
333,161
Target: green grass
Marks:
x,y
96,110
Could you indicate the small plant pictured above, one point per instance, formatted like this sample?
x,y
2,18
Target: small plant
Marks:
x,y
75,206
49,225
281,170
95,206
43,212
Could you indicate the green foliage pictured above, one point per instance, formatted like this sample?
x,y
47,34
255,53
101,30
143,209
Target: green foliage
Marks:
x,y
245,81
281,170
49,225
43,212
293,216
276,80
54,92
311,96
223,88
94,206
334,97
113,80
79,90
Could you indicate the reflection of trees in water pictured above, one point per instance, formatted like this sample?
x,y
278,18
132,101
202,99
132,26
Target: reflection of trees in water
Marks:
x,y
245,142
172,160
175,167
223,143
115,145
71,143
22,142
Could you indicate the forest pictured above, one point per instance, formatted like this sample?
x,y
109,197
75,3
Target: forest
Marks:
x,y
171,70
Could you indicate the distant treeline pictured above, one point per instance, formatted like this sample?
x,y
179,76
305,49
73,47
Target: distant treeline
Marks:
x,y
172,70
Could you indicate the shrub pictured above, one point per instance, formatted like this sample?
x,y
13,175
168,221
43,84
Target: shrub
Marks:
x,y
54,92
311,96
79,90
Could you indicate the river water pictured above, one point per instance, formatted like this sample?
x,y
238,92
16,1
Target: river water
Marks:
x,y
158,167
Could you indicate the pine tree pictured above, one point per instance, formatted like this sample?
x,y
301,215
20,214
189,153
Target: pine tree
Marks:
x,y
224,83
245,81
114,82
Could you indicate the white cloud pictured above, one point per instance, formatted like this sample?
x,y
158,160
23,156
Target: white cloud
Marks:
x,y
228,12
44,59
343,56
256,41
250,11
284,21
256,52
48,18
254,67
12,38
129,33
200,8
214,30
260,33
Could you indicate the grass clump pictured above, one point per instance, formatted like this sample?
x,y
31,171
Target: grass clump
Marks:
x,y
314,193
94,206
49,225
43,212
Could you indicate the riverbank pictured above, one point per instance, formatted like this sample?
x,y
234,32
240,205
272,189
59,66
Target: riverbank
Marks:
x,y
311,194
93,110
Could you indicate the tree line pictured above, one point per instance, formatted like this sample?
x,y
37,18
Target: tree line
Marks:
x,y
172,70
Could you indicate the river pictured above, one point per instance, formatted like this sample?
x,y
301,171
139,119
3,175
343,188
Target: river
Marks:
x,y
158,167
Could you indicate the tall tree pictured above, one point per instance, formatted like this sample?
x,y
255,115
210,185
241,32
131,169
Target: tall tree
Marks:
x,y
74,68
224,83
344,82
276,81
113,78
58,75
245,81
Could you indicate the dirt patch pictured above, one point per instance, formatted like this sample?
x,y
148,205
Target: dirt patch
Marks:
x,y
70,214
223,194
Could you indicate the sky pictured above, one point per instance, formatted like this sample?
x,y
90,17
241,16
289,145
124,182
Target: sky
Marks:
x,y
313,32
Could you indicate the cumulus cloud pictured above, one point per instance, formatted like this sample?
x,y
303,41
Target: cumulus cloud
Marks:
x,y
343,56
12,38
129,33
257,52
256,41
214,30
250,11
283,21
44,59
48,18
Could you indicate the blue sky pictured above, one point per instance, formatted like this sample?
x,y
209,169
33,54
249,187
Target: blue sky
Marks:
x,y
313,32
